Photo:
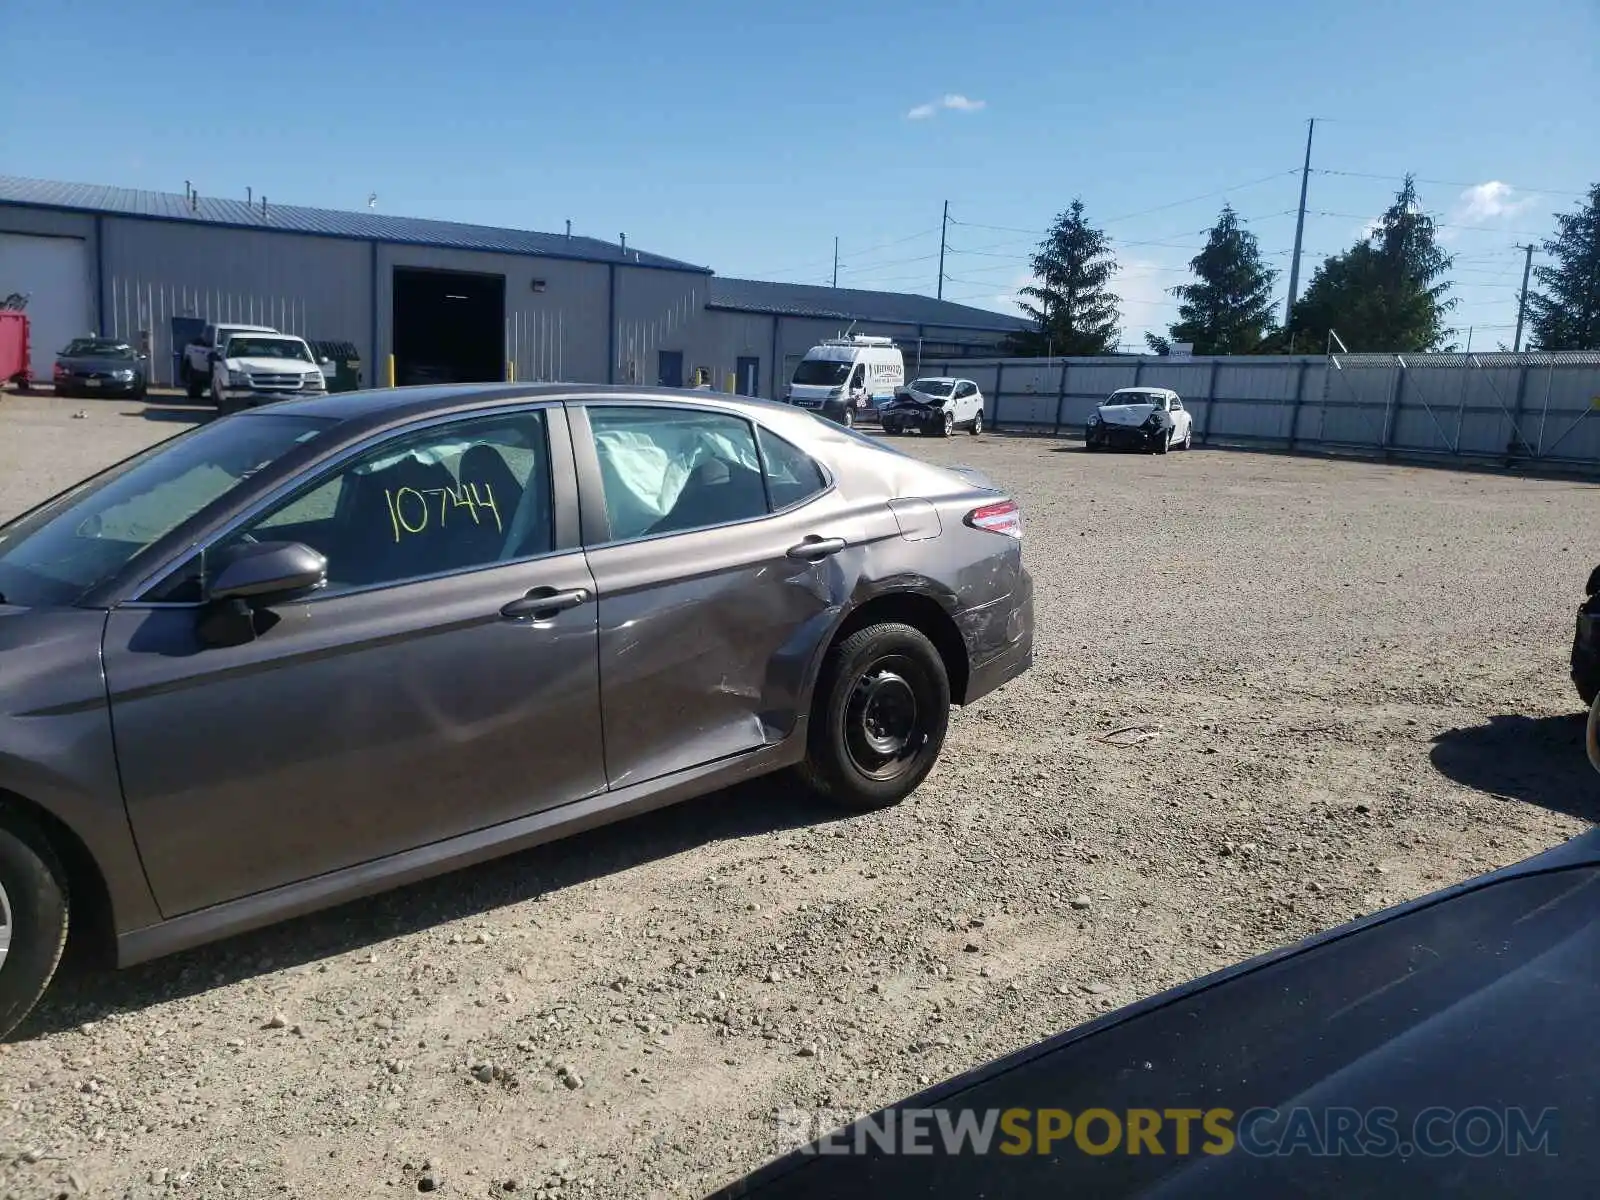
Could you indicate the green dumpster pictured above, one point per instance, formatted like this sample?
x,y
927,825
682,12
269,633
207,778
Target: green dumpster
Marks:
x,y
345,373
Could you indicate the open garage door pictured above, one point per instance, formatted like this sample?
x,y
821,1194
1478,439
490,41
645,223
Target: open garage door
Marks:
x,y
53,273
449,327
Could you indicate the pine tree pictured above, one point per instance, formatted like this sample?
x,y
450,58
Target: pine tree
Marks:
x,y
1072,307
1385,293
1566,315
1228,309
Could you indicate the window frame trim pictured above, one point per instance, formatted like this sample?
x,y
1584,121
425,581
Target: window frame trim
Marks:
x,y
563,496
593,517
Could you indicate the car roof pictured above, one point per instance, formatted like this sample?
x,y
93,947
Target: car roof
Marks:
x,y
381,407
1154,391
241,325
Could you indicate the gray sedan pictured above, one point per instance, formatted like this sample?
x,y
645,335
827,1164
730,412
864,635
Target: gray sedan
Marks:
x,y
100,367
324,647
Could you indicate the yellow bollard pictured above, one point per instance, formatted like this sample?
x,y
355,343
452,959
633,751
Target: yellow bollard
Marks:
x,y
733,383
511,371
391,370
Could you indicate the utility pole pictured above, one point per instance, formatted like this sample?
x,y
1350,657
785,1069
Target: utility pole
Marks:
x,y
1299,232
943,226
1522,299
836,262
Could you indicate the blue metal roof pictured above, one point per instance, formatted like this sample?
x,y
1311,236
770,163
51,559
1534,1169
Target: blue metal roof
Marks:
x,y
325,222
853,304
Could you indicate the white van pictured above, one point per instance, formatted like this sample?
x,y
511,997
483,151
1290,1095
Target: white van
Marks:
x,y
846,377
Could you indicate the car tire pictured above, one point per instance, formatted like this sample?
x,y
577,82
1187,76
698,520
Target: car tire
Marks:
x,y
977,423
1585,673
849,418
1188,439
879,717
34,908
949,427
1163,443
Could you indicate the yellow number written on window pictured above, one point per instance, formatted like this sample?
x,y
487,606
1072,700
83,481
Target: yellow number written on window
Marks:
x,y
410,512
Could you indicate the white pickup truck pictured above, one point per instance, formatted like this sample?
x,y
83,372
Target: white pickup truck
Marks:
x,y
259,367
195,370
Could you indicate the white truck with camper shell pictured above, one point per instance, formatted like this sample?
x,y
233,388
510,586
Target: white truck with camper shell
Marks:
x,y
846,378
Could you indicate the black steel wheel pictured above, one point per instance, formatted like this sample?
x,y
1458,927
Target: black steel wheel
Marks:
x,y
33,918
879,717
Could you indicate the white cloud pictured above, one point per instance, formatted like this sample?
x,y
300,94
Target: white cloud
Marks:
x,y
1485,202
954,101
961,104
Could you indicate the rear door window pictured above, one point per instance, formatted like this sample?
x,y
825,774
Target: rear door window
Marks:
x,y
668,470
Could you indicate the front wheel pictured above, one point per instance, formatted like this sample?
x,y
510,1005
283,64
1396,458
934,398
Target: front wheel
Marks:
x,y
977,423
33,919
849,418
879,718
1188,439
949,427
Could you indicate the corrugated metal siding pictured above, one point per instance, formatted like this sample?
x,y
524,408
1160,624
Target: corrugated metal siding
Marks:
x,y
657,310
363,226
311,286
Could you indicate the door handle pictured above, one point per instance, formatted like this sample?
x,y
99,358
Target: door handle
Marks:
x,y
544,602
813,549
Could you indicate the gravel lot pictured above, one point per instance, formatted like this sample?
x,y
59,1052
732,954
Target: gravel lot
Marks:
x,y
1339,685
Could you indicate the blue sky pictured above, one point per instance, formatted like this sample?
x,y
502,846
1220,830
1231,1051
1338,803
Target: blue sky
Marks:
x,y
747,136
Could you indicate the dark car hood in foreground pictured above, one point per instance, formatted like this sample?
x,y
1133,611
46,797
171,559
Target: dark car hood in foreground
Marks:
x,y
1482,997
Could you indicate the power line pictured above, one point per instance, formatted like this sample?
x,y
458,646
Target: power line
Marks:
x,y
1439,182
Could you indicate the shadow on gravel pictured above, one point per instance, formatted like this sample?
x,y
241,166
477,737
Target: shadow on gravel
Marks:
x,y
1537,760
172,412
84,991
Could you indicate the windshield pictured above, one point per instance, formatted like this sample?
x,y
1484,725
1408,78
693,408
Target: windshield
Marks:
x,y
1120,399
242,346
933,387
95,348
55,554
821,372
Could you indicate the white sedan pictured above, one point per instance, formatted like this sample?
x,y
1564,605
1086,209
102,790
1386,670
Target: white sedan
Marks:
x,y
1149,419
934,404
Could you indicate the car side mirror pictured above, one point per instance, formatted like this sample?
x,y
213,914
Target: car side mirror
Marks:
x,y
269,572
252,577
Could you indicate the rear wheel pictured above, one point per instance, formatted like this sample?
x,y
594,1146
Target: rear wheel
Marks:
x,y
879,718
849,418
33,919
977,423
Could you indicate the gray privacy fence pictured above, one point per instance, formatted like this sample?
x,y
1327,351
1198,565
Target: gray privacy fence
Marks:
x,y
1531,407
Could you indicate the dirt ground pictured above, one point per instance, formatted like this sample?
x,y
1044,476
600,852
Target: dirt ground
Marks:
x,y
1337,685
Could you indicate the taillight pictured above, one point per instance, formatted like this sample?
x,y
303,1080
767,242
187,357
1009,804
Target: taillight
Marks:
x,y
1003,517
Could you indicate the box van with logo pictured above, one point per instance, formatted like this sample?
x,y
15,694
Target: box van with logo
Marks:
x,y
848,377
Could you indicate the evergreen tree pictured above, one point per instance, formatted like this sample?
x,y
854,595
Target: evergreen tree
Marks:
x,y
1566,315
1072,307
1385,293
1228,309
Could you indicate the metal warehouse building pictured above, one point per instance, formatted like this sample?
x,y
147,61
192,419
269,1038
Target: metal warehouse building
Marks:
x,y
448,301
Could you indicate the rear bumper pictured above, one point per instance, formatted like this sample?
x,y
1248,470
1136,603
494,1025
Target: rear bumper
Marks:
x,y
1016,656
